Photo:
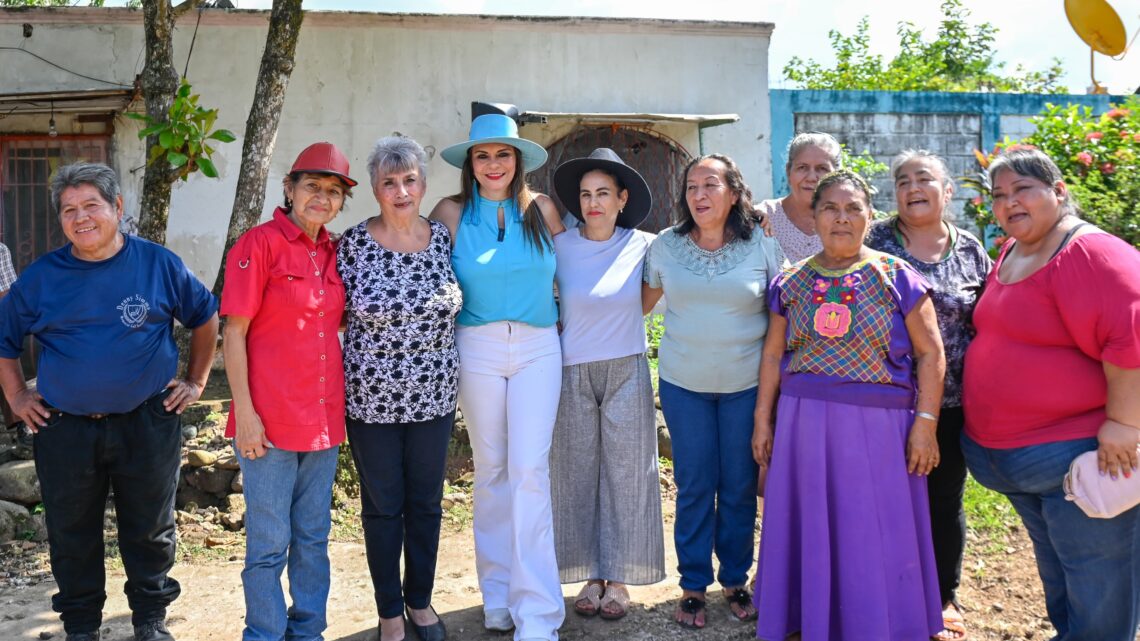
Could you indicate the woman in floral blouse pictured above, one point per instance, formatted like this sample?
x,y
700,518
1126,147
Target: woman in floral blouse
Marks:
x,y
956,264
854,360
401,377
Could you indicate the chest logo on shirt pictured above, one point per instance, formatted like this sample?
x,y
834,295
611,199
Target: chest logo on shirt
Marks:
x,y
134,310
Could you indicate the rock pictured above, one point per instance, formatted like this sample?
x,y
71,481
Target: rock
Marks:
x,y
456,497
217,541
191,494
236,484
234,503
189,432
233,521
664,444
18,483
211,479
46,634
201,458
15,521
446,504
459,434
7,454
39,528
466,479
227,461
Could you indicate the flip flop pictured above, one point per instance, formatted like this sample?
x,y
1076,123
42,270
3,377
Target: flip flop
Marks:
x,y
953,626
743,600
591,595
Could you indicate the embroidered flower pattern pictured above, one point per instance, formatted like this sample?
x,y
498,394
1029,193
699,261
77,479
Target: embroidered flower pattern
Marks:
x,y
832,320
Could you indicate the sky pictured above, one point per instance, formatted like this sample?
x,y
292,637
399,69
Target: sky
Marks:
x,y
1030,32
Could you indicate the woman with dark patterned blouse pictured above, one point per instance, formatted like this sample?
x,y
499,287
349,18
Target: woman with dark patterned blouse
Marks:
x,y
956,264
401,377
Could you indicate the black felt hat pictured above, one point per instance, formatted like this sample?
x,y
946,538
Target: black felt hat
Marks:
x,y
568,178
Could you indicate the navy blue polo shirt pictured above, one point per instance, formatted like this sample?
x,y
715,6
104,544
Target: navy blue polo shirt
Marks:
x,y
105,328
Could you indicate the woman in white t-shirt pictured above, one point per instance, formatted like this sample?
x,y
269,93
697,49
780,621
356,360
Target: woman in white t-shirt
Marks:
x,y
811,156
603,463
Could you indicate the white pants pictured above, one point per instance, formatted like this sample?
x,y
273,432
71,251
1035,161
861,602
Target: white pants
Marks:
x,y
510,378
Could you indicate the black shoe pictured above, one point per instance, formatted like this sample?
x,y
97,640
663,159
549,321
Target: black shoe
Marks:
x,y
152,631
83,636
434,632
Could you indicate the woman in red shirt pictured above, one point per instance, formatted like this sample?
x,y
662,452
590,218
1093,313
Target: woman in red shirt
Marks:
x,y
283,301
1053,372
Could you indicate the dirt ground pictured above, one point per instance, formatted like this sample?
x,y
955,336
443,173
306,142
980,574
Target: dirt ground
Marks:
x,y
1001,596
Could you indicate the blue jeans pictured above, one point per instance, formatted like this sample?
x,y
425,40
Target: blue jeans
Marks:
x,y
1090,567
716,483
287,520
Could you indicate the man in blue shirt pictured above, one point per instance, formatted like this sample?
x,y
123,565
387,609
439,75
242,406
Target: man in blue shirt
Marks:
x,y
106,406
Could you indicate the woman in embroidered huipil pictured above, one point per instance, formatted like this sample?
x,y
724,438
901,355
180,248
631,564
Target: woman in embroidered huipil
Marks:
x,y
811,156
854,359
401,375
510,369
714,268
955,263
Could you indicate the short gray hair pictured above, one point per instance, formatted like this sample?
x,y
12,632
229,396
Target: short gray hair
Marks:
x,y
826,142
1036,164
907,155
98,175
393,154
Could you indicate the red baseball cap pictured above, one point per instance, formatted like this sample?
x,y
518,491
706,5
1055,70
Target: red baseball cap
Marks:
x,y
323,158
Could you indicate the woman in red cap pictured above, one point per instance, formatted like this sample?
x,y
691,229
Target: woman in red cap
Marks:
x,y
283,301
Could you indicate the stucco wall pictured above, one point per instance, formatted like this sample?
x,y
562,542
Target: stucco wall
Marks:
x,y
361,76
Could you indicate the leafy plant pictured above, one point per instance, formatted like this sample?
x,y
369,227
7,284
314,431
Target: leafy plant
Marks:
x,y
959,58
863,163
184,139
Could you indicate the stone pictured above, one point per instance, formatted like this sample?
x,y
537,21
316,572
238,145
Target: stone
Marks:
x,y
233,521
236,484
664,444
234,503
456,497
46,634
189,432
201,458
466,479
227,461
211,479
217,541
7,454
39,527
18,483
191,494
15,521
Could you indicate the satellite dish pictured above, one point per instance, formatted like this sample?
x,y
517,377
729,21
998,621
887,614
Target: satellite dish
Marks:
x,y
1098,25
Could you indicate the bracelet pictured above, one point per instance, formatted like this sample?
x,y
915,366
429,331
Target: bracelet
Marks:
x,y
927,415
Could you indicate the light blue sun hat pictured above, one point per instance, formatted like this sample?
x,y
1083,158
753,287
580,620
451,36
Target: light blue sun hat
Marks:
x,y
490,128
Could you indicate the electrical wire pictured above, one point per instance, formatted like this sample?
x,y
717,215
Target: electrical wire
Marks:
x,y
62,68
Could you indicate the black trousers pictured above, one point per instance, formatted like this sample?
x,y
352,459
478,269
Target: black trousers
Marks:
x,y
945,486
401,467
137,454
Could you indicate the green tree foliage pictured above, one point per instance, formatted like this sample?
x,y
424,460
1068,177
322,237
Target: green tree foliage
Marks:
x,y
960,58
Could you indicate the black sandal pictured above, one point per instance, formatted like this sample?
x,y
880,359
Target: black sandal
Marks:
x,y
743,600
694,606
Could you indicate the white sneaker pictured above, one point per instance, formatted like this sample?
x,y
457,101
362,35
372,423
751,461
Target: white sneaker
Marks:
x,y
498,620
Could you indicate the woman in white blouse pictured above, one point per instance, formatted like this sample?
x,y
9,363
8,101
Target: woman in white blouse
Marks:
x,y
811,156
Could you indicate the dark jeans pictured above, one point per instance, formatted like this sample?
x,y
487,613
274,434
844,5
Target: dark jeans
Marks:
x,y
401,468
945,487
137,454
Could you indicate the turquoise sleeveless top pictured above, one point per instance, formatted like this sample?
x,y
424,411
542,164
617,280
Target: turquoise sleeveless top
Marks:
x,y
503,278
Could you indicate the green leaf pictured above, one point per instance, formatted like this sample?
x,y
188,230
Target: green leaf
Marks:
x,y
166,139
153,129
134,116
207,167
176,159
184,90
155,153
222,135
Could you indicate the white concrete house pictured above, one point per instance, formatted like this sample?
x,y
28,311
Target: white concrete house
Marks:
x,y
658,90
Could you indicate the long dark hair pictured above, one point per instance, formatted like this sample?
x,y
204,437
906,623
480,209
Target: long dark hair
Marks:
x,y
534,226
741,218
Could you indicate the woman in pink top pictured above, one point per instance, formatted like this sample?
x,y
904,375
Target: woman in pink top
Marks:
x,y
1053,372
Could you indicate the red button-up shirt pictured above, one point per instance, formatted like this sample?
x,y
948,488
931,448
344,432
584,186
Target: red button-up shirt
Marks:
x,y
289,287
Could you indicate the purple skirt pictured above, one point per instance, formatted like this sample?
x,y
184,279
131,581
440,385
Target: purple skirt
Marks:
x,y
845,551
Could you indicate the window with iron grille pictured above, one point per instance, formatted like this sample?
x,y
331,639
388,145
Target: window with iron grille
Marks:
x,y
659,160
28,226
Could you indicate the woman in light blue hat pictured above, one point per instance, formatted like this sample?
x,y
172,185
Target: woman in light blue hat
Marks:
x,y
510,372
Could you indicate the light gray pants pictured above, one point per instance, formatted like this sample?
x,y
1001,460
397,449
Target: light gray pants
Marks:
x,y
603,474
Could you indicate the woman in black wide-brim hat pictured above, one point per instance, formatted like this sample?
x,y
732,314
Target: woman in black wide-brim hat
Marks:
x,y
604,484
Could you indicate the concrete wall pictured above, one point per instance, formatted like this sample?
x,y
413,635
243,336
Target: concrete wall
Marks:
x,y
360,76
885,123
